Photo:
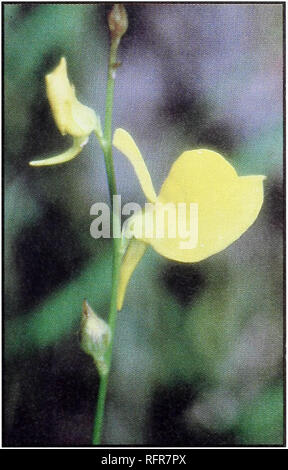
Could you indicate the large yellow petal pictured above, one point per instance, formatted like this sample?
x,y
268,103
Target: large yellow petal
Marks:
x,y
227,204
69,154
71,116
123,141
133,255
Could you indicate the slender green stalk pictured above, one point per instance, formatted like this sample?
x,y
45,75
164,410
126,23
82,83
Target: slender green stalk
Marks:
x,y
115,223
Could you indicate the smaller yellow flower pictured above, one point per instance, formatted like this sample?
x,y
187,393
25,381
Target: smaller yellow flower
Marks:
x,y
71,116
227,204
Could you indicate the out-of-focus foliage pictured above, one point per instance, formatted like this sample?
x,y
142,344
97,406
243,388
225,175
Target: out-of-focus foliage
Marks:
x,y
55,318
262,422
198,353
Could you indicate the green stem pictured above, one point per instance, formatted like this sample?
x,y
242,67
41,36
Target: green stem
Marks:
x,y
116,224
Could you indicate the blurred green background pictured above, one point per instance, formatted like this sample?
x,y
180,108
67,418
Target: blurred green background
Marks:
x,y
198,353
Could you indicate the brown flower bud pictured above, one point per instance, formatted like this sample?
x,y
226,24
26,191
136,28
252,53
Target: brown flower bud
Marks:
x,y
117,22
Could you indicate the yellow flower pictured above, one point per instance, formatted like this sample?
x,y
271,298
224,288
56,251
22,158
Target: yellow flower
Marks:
x,y
228,205
71,116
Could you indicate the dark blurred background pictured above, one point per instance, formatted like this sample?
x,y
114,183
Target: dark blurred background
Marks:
x,y
198,353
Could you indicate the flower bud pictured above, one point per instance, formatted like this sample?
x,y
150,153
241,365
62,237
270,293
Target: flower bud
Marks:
x,y
95,337
117,22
